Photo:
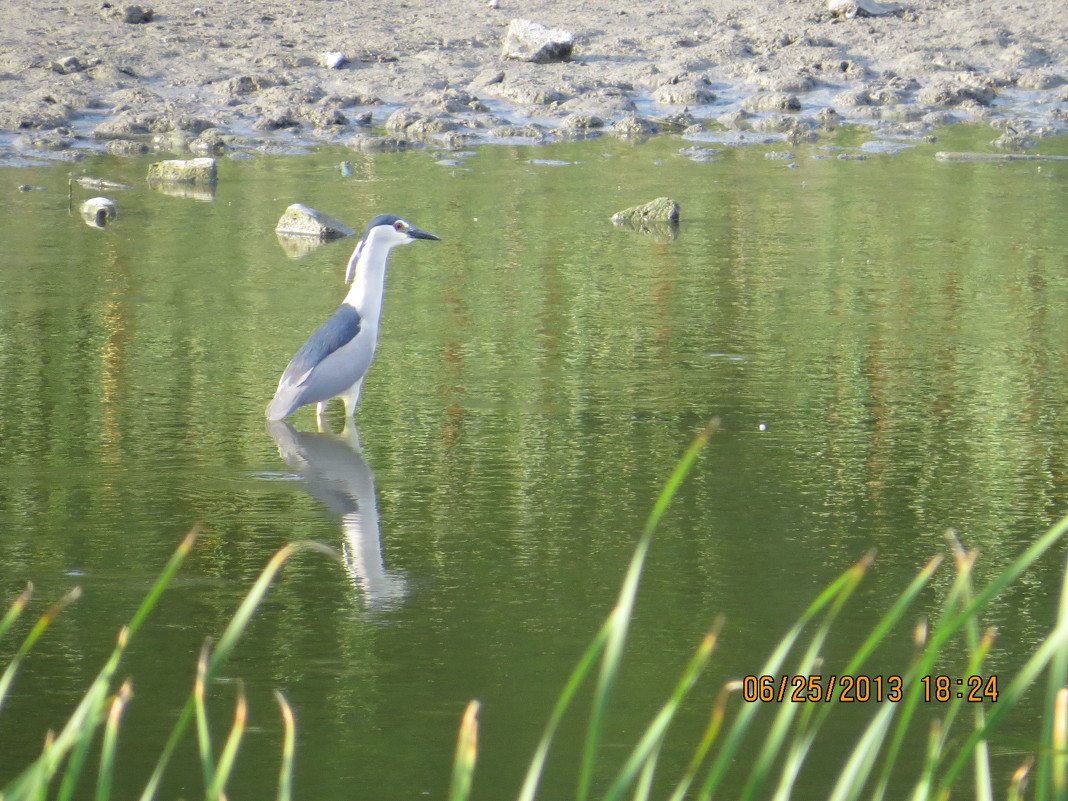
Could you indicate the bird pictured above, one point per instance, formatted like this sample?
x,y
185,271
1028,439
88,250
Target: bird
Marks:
x,y
335,359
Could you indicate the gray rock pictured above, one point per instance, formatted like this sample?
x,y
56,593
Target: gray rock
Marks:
x,y
530,41
526,92
1039,80
177,171
949,92
487,78
738,120
400,120
633,125
772,101
98,212
678,121
322,117
688,93
44,141
858,96
456,101
133,15
1015,140
30,115
367,143
529,131
66,66
300,220
848,9
121,127
247,84
127,147
581,123
662,210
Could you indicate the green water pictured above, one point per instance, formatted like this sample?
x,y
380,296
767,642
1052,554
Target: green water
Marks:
x,y
883,340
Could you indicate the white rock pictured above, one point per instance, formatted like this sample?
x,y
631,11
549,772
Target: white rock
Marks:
x,y
531,41
99,211
333,60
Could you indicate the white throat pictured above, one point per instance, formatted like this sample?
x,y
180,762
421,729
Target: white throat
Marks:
x,y
369,278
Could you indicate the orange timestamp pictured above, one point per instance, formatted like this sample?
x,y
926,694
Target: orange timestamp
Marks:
x,y
864,689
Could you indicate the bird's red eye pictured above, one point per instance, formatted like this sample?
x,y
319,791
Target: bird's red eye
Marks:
x,y
400,226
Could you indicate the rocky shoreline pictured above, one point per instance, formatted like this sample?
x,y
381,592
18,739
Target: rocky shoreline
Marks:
x,y
201,77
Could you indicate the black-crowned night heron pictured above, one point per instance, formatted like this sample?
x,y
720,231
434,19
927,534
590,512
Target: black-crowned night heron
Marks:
x,y
336,358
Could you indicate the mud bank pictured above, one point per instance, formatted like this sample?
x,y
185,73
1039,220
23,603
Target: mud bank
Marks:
x,y
376,75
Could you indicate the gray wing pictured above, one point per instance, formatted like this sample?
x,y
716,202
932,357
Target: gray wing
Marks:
x,y
342,327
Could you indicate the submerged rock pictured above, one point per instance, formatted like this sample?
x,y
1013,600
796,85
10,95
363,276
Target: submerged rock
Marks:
x,y
663,210
369,143
530,41
301,220
177,171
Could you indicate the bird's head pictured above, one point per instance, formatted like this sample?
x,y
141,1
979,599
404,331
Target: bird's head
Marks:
x,y
385,231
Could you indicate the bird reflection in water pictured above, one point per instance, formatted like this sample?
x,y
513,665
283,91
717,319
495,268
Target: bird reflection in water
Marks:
x,y
336,474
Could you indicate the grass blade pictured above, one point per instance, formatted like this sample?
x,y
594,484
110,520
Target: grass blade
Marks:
x,y
585,664
644,754
110,743
715,723
289,741
725,757
619,620
463,766
803,743
16,608
207,761
164,580
217,788
237,626
1057,679
35,633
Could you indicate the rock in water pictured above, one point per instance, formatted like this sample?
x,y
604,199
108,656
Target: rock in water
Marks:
x,y
663,210
530,41
99,211
177,171
299,220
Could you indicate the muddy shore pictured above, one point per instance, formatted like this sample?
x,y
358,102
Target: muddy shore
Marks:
x,y
184,75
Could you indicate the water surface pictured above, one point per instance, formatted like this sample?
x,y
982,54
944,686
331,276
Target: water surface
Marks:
x,y
882,339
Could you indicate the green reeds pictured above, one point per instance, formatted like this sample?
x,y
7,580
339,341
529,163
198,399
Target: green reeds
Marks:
x,y
757,748
97,718
750,748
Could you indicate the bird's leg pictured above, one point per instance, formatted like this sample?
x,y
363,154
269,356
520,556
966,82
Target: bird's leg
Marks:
x,y
352,399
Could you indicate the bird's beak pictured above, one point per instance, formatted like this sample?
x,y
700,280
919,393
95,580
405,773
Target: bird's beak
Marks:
x,y
418,233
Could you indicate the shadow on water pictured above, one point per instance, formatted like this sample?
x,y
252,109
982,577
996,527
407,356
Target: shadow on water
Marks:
x,y
336,474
